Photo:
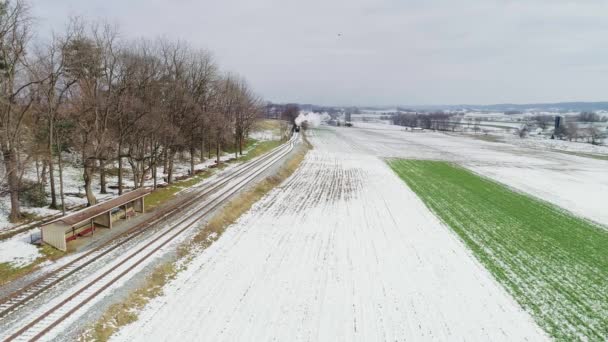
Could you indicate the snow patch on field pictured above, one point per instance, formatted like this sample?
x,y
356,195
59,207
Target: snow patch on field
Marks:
x,y
266,135
555,144
18,251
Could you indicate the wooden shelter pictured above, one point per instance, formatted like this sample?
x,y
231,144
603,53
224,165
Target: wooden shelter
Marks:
x,y
58,232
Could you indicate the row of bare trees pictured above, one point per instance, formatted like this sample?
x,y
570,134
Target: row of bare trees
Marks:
x,y
134,104
572,131
438,120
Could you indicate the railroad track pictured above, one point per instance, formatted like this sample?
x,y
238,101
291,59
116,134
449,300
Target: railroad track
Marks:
x,y
41,324
42,284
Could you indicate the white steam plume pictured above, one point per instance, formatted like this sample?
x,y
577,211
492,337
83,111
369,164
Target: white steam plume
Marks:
x,y
312,119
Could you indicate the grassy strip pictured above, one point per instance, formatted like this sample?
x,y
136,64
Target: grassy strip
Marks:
x,y
260,148
553,263
162,195
230,149
269,125
8,272
121,314
487,138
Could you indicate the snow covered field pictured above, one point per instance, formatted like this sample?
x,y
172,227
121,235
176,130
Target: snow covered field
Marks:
x,y
543,142
342,251
575,183
266,135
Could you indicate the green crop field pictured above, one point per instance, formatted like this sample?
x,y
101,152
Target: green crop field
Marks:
x,y
552,262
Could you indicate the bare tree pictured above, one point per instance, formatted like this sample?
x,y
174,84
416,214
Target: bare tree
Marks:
x,y
139,99
523,131
543,121
290,112
15,92
594,134
476,124
64,128
83,66
248,110
176,102
92,62
201,76
573,131
51,95
107,101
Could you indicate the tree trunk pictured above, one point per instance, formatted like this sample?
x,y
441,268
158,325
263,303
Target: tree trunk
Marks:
x,y
51,166
241,144
142,179
165,161
43,175
10,163
102,176
37,163
150,165
136,171
42,180
202,150
154,167
217,152
60,164
88,180
191,161
120,168
170,168
236,147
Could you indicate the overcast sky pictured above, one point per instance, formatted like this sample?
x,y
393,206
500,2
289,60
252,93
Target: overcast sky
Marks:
x,y
382,52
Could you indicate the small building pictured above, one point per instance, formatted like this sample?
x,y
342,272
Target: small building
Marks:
x,y
58,232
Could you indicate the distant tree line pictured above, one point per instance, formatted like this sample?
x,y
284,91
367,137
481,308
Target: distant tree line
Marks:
x,y
571,131
590,117
544,121
569,127
134,103
288,112
436,120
